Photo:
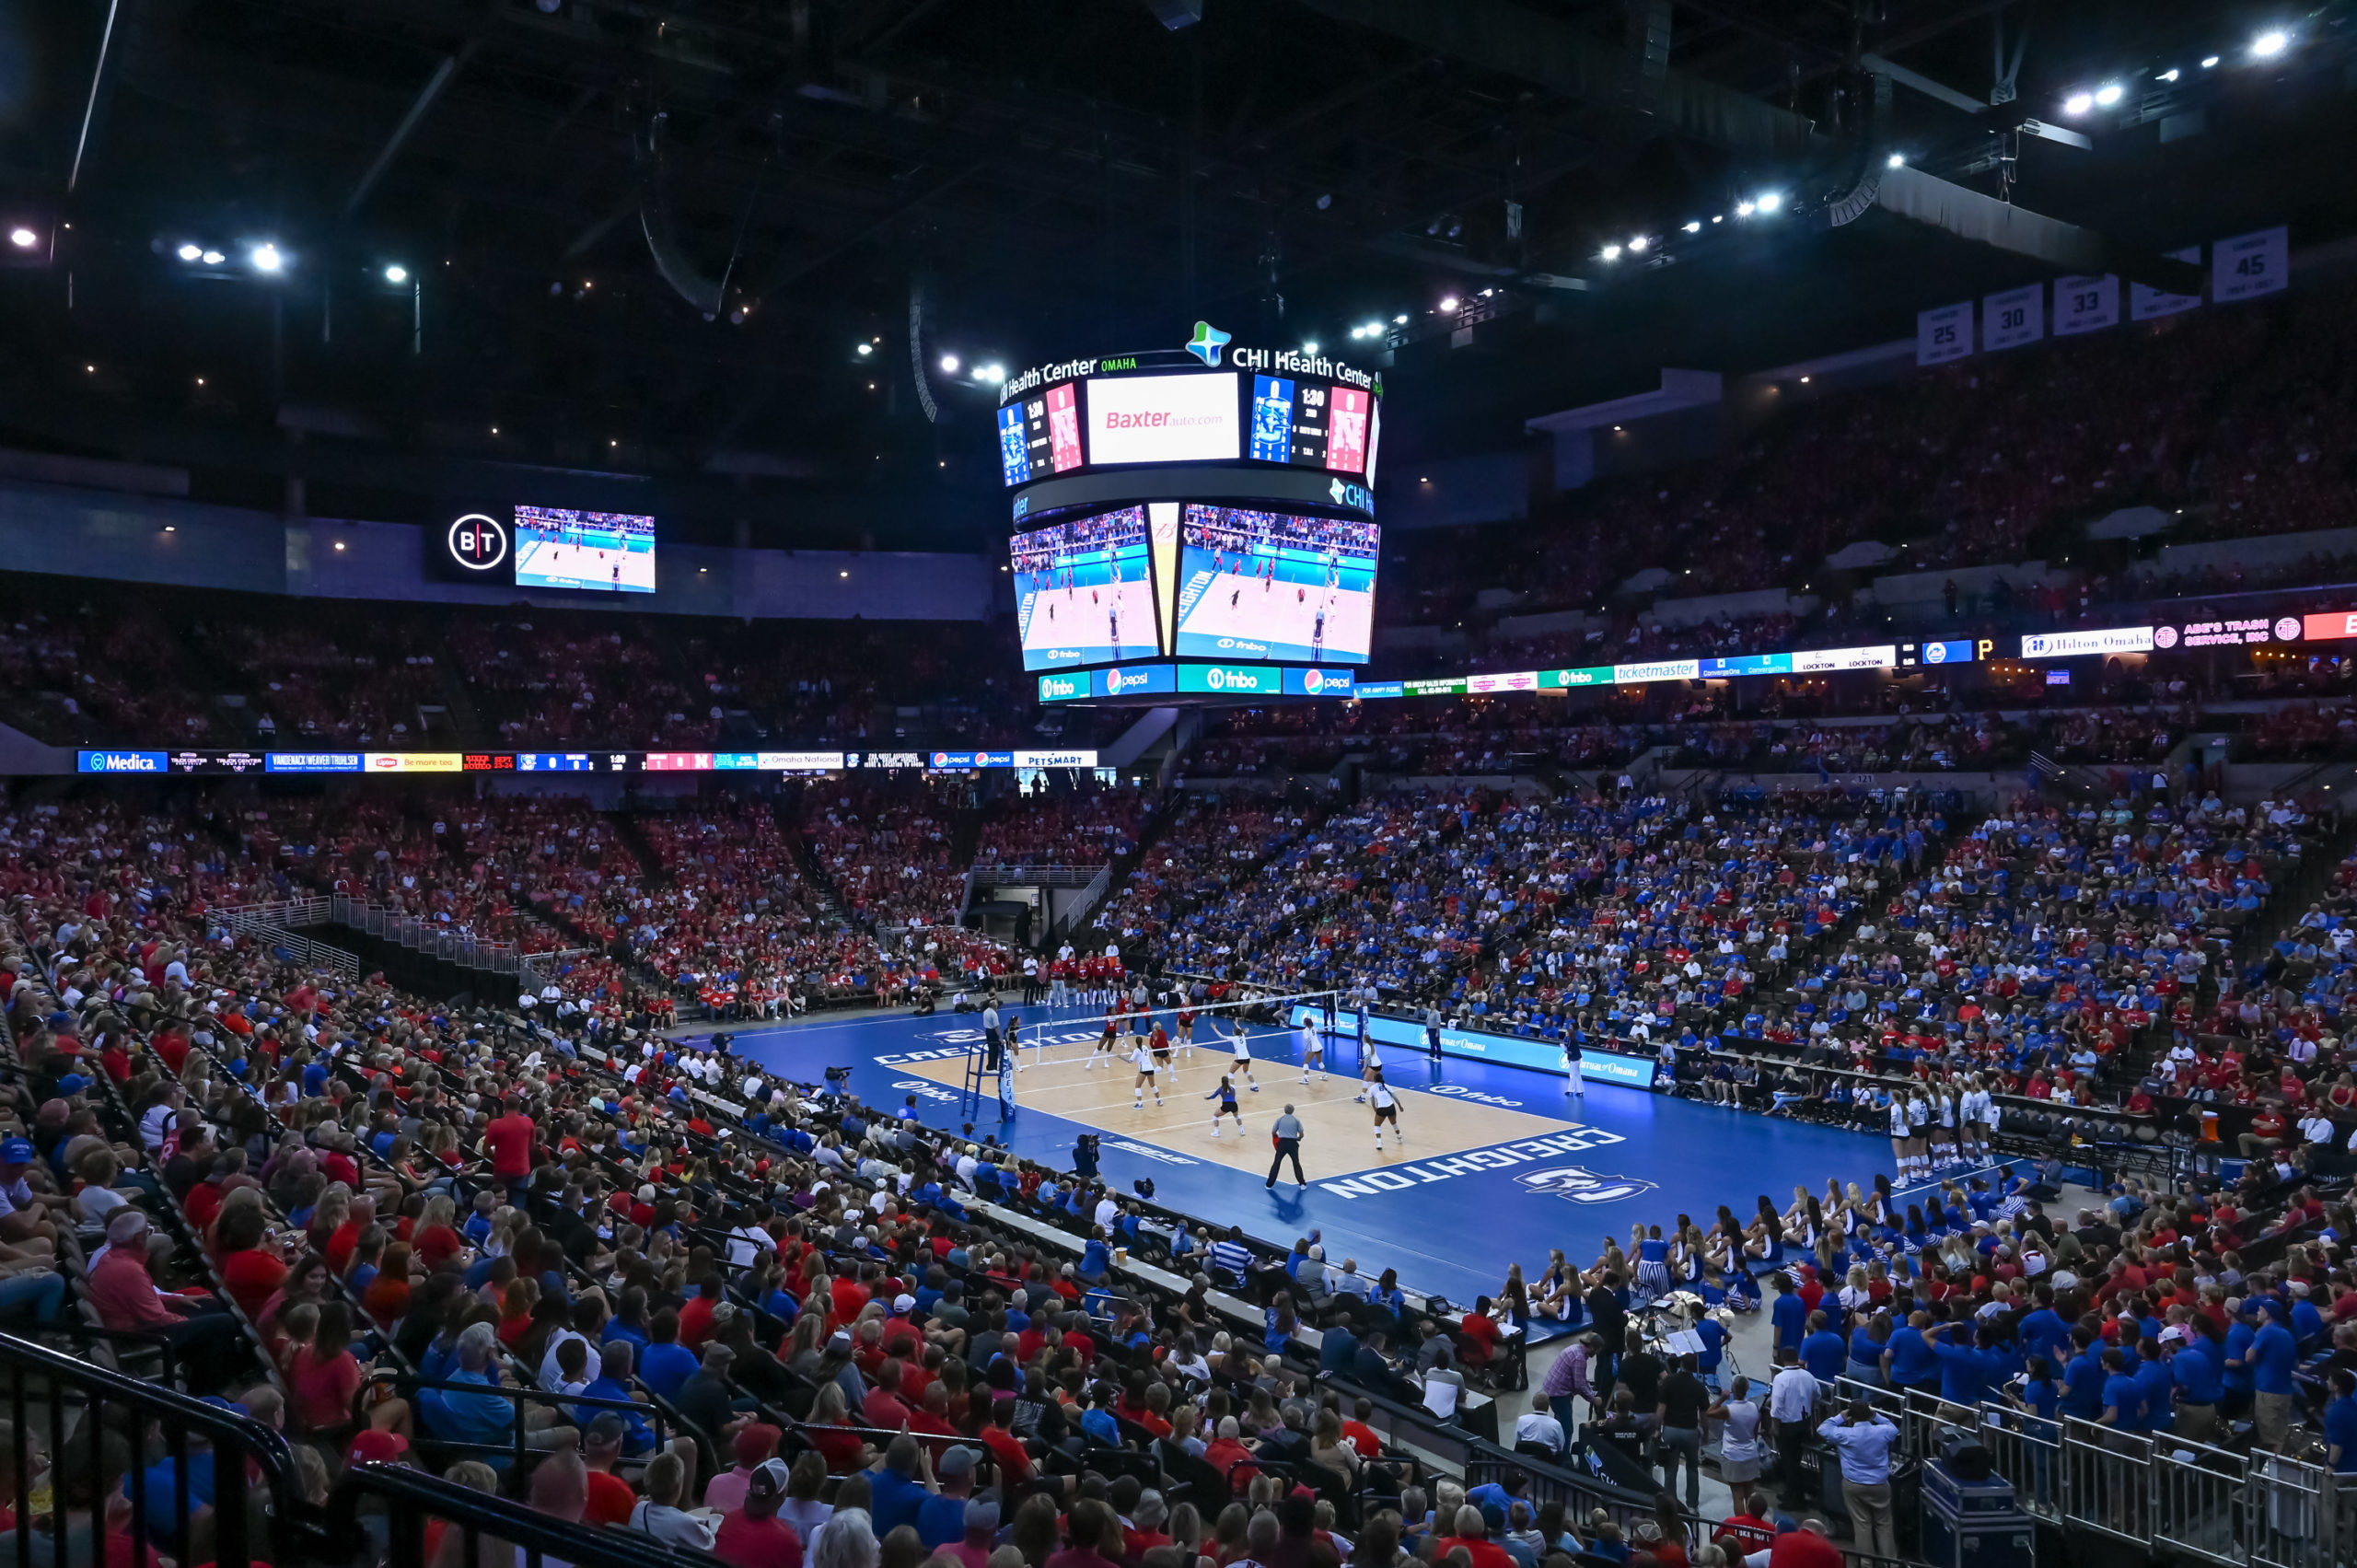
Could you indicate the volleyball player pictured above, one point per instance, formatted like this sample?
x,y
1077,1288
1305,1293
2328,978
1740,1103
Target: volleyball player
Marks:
x,y
1158,1042
1370,1065
1240,1052
1386,1108
1107,1048
1943,1150
1142,1057
1225,1095
1313,1049
1901,1135
1919,1127
1185,1021
1975,1113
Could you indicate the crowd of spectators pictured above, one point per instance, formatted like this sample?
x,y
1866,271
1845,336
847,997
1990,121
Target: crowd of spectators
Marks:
x,y
1083,825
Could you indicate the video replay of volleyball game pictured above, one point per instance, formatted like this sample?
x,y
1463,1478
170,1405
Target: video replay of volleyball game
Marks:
x,y
559,548
1269,585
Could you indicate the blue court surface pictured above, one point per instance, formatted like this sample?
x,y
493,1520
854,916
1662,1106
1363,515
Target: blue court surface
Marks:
x,y
1487,1188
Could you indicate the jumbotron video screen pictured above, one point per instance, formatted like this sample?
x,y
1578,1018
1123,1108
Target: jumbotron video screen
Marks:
x,y
1083,592
1272,586
605,551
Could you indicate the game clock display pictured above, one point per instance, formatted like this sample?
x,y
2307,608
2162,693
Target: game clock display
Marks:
x,y
1308,423
1040,436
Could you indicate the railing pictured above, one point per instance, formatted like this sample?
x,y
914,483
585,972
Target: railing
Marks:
x,y
1091,894
392,1506
67,1416
1016,874
270,923
2155,1491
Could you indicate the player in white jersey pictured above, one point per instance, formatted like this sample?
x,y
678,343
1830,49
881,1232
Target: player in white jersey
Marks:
x,y
1313,1049
1573,1083
1901,1136
1943,1151
1386,1108
1240,1050
1919,1127
1370,1066
1142,1057
1973,1111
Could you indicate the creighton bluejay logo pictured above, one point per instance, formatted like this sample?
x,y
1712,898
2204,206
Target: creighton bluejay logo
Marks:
x,y
1580,1185
1207,342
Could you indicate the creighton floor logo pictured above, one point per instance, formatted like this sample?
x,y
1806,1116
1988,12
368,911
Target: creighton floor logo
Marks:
x,y
1580,1185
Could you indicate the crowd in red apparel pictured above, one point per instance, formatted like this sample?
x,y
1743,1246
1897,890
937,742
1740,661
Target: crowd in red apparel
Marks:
x,y
601,683
85,674
1090,827
888,853
302,683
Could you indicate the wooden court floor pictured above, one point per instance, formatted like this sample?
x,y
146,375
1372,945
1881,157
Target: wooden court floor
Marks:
x,y
1338,1135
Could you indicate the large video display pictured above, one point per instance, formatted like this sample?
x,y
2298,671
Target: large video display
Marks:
x,y
1164,419
1083,592
559,548
1310,422
1270,586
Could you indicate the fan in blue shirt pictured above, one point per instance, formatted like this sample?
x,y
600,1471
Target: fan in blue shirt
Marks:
x,y
1825,1352
2341,1421
1789,1315
2123,1396
2273,1354
1966,1371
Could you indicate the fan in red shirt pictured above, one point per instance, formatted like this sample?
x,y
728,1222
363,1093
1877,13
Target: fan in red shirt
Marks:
x,y
510,1139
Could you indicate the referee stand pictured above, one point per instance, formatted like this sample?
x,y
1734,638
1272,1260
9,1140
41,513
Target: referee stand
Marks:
x,y
989,1076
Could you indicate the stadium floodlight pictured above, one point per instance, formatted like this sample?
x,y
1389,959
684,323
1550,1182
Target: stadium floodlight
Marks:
x,y
213,258
1310,348
23,238
1694,225
949,365
1375,329
267,258
191,252
2269,44
2171,75
1742,210
1896,160
2109,94
397,274
1769,201
2209,61
1611,252
1637,246
1448,302
2078,103
1400,319
867,348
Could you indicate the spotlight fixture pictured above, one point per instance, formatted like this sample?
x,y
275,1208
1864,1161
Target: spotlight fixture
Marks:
x,y
1769,201
1896,160
1742,210
867,348
1610,253
23,238
1400,320
2209,61
213,258
1310,348
191,252
1448,302
1694,225
2078,103
397,275
2109,94
267,258
2171,75
949,365
1637,246
2269,44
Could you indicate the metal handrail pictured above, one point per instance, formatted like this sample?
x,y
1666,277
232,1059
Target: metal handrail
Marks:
x,y
38,1375
410,1497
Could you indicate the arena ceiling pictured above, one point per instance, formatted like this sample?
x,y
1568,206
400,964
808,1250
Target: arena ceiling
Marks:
x,y
647,239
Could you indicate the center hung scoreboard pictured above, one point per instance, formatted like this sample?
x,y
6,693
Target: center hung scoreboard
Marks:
x,y
1194,521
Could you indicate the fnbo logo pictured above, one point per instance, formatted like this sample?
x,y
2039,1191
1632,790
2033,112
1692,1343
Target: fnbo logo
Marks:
x,y
1059,686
